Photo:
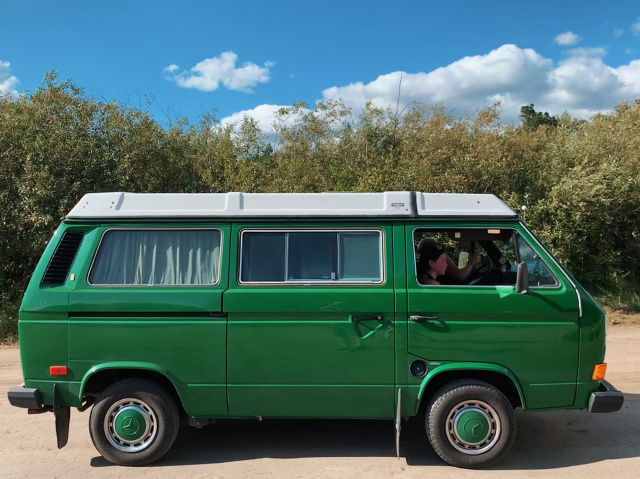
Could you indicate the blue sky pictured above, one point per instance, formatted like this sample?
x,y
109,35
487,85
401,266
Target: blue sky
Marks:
x,y
250,57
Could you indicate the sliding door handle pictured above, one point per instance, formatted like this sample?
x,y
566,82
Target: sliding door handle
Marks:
x,y
420,319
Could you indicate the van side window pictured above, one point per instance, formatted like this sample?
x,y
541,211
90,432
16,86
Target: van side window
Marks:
x,y
497,252
157,257
311,256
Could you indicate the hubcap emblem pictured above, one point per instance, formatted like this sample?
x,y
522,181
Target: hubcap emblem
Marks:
x,y
130,426
130,423
474,428
472,425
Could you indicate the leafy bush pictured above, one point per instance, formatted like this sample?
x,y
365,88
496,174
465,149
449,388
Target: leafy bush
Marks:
x,y
578,179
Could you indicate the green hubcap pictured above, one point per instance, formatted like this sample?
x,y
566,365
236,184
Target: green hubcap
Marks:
x,y
472,426
130,423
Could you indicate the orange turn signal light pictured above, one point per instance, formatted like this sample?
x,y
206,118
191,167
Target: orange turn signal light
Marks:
x,y
599,371
58,370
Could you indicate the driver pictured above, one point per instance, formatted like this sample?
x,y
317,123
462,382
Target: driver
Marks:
x,y
428,247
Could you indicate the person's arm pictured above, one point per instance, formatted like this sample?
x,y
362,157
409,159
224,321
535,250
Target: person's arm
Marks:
x,y
460,274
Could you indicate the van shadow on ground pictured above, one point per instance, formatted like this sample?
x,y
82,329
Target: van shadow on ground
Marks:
x,y
545,440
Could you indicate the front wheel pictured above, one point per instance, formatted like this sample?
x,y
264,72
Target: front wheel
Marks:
x,y
470,424
134,422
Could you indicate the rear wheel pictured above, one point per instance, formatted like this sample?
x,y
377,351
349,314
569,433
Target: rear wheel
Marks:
x,y
470,424
134,422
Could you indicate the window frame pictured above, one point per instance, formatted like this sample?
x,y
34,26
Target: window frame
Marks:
x,y
515,234
517,239
314,282
119,285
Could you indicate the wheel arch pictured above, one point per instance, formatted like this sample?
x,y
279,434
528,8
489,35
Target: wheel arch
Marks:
x,y
498,376
99,378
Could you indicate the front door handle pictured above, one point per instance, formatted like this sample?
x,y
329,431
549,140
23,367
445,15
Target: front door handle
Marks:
x,y
420,319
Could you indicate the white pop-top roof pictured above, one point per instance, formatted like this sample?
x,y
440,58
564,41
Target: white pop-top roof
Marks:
x,y
207,205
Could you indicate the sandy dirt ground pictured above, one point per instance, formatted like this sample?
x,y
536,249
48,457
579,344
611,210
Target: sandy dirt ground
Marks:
x,y
560,444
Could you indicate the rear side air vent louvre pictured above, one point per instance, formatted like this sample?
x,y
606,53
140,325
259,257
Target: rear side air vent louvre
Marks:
x,y
60,263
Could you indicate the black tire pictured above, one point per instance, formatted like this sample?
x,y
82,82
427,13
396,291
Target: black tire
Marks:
x,y
470,424
134,422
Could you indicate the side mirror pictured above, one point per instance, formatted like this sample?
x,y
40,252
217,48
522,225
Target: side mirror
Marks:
x,y
522,279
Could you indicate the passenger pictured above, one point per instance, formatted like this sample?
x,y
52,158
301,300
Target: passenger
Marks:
x,y
458,275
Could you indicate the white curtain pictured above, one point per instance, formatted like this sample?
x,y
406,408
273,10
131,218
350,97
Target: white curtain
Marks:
x,y
157,257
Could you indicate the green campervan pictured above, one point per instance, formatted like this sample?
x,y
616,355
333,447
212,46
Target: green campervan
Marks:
x,y
161,309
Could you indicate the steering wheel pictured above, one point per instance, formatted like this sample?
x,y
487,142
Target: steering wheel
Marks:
x,y
480,274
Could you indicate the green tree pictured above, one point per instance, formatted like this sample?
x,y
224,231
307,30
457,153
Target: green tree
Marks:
x,y
532,119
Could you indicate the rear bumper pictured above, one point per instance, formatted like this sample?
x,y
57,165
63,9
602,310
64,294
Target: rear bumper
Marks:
x,y
605,399
29,398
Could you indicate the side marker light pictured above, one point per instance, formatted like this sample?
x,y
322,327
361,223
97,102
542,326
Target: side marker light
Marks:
x,y
58,370
599,371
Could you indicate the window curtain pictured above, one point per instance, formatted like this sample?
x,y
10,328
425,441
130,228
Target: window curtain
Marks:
x,y
157,257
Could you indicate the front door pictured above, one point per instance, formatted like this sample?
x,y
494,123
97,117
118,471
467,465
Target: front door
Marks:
x,y
482,319
311,322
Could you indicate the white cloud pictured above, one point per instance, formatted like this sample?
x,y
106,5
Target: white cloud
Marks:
x,y
588,52
264,115
208,74
8,82
618,32
567,39
582,84
629,75
635,27
506,72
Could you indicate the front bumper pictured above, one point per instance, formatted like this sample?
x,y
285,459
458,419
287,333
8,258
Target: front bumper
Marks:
x,y
20,396
605,399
